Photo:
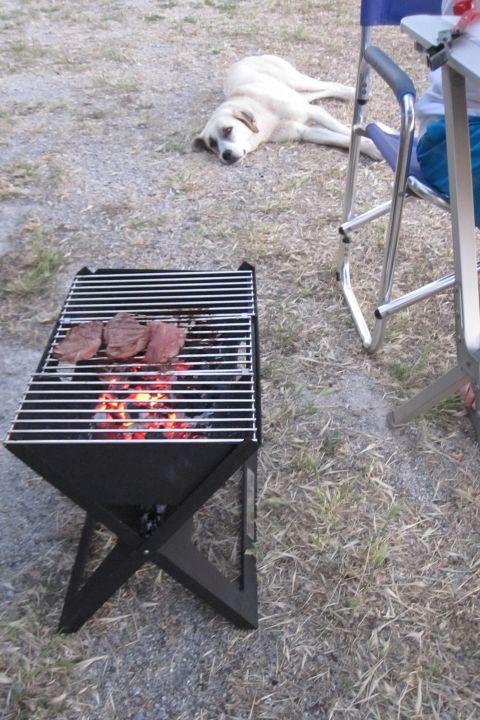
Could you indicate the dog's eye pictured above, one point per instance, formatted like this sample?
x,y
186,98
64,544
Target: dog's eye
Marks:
x,y
227,132
213,143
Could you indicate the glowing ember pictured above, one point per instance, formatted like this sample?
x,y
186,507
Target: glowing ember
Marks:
x,y
134,405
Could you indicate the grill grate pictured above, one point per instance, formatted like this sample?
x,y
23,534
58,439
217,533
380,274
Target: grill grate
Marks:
x,y
208,393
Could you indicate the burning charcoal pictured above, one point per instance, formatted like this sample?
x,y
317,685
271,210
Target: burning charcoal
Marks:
x,y
80,343
134,406
125,336
165,340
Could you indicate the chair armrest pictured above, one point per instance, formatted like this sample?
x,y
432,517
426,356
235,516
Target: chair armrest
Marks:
x,y
395,77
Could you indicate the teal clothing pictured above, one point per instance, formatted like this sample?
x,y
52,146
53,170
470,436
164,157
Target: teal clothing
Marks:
x,y
432,157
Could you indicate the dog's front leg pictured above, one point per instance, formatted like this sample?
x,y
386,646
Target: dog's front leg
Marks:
x,y
293,130
322,136
288,130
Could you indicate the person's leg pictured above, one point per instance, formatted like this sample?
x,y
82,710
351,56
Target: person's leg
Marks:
x,y
432,157
474,124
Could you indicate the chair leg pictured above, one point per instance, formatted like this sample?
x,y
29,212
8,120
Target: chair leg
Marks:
x,y
343,273
373,340
343,276
353,158
348,222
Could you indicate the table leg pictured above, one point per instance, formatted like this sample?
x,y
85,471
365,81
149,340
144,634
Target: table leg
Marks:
x,y
463,226
424,400
467,301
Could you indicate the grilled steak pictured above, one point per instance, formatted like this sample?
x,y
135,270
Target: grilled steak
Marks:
x,y
80,343
125,336
164,342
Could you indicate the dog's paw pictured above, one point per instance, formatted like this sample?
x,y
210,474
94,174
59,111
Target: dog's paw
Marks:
x,y
367,147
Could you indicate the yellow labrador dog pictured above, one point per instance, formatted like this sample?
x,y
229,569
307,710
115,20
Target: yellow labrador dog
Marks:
x,y
268,99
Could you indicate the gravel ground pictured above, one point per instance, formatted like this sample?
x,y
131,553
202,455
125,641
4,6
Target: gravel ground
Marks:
x,y
368,562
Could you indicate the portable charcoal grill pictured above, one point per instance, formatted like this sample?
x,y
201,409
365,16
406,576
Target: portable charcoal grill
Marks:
x,y
140,448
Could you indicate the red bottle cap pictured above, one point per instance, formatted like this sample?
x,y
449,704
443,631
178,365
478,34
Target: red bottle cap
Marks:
x,y
463,6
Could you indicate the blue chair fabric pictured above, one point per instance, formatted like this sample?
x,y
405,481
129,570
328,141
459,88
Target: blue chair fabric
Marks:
x,y
390,12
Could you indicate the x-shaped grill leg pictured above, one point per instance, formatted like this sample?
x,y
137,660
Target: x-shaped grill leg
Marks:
x,y
171,549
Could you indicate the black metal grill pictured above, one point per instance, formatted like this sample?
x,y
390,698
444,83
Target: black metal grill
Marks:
x,y
113,435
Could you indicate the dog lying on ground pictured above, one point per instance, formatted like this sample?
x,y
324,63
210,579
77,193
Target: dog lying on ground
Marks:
x,y
268,99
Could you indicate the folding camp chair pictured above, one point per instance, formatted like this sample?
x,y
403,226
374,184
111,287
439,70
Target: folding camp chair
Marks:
x,y
398,149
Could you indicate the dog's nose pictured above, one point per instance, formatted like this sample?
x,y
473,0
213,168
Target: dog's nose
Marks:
x,y
228,156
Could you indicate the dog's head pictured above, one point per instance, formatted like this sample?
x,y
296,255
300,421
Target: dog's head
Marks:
x,y
228,134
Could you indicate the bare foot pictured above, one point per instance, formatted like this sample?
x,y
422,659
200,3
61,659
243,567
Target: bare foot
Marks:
x,y
468,396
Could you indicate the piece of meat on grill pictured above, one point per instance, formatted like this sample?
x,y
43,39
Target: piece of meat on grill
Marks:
x,y
124,336
80,343
165,340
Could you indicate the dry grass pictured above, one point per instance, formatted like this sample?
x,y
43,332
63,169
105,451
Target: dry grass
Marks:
x,y
368,559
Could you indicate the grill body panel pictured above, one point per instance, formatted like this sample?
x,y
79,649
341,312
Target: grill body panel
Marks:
x,y
125,473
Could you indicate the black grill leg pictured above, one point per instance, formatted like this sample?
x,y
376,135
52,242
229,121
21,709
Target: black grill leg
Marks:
x,y
118,566
81,558
249,533
237,602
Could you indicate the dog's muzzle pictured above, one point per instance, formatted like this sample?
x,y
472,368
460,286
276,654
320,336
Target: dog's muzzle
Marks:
x,y
229,157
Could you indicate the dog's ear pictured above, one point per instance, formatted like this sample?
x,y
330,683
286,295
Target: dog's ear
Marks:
x,y
199,144
247,118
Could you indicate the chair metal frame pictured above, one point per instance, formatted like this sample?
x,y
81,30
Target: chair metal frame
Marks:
x,y
406,187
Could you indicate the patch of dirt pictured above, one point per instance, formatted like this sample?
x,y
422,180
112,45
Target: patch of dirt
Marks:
x,y
368,537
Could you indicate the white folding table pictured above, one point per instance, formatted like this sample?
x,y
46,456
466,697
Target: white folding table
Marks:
x,y
463,61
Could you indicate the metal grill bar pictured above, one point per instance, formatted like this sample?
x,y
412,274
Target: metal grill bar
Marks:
x,y
145,306
192,358
99,383
80,411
